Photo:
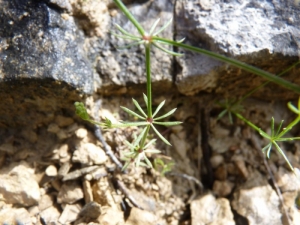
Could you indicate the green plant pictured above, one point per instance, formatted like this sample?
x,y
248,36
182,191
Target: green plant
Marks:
x,y
138,150
235,107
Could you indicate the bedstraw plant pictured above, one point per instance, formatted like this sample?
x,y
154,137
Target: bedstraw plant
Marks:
x,y
138,150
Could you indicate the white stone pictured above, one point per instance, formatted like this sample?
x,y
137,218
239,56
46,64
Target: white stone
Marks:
x,y
89,153
15,216
209,210
140,217
18,185
51,171
69,214
50,215
258,202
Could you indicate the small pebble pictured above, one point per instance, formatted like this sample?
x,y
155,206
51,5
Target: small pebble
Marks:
x,y
53,128
222,188
221,172
216,160
81,133
51,171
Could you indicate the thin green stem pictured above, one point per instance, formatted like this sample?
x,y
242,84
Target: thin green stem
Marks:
x,y
148,74
124,9
249,123
267,82
143,141
241,65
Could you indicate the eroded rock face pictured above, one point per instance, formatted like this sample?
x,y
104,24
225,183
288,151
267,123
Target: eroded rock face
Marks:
x,y
123,71
262,33
51,51
42,61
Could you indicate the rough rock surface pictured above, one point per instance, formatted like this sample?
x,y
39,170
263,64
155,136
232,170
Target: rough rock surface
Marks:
x,y
258,202
119,70
51,51
68,185
209,210
42,62
18,185
262,33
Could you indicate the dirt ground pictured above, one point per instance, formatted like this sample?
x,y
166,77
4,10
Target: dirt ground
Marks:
x,y
75,181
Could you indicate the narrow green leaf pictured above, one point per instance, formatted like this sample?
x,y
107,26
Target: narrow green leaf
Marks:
x,y
293,108
166,115
152,151
146,100
148,162
81,111
153,27
170,123
129,154
107,123
272,127
266,148
159,107
160,136
138,160
181,40
283,155
221,114
130,124
138,139
149,143
126,166
130,45
139,108
163,27
158,162
124,31
143,164
269,151
132,113
125,36
288,139
166,50
230,117
129,144
279,128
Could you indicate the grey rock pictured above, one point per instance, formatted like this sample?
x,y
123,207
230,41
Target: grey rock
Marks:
x,y
43,66
126,67
91,210
262,33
